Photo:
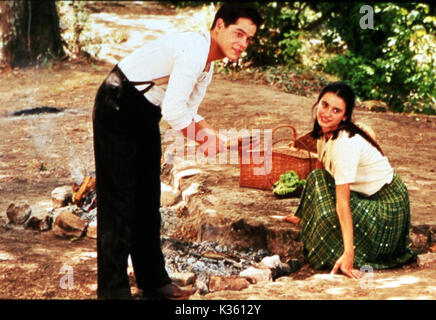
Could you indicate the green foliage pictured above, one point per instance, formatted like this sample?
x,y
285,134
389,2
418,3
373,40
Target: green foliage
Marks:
x,y
278,41
45,60
185,4
393,62
290,47
295,79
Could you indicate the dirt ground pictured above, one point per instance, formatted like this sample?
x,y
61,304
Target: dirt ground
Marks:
x,y
41,152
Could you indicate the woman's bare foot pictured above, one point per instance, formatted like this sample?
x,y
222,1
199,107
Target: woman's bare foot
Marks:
x,y
292,219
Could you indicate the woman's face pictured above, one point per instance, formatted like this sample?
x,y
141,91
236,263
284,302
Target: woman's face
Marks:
x,y
330,112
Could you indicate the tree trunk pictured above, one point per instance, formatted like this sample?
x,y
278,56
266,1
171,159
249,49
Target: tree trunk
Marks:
x,y
29,30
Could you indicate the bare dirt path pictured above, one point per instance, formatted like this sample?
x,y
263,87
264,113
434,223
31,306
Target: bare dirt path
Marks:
x,y
41,152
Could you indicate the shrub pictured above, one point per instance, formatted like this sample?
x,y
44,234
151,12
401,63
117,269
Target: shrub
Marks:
x,y
395,61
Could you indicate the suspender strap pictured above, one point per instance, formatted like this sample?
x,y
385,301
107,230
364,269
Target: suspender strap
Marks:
x,y
151,84
157,82
118,71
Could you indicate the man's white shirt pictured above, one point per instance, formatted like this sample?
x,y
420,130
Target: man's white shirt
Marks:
x,y
182,57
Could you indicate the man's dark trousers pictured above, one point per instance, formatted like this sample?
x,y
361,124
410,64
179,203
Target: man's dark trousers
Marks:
x,y
127,149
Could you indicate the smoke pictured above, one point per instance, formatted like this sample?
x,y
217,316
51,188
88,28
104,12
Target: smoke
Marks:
x,y
48,141
41,138
77,170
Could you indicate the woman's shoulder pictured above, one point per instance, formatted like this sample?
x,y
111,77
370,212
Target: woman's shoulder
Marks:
x,y
347,143
367,129
345,137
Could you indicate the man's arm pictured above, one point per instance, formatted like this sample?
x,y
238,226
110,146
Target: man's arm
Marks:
x,y
211,142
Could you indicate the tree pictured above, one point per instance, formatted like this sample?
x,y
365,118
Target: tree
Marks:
x,y
277,42
29,31
394,61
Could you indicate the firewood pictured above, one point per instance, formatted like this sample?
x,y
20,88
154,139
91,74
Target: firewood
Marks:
x,y
87,185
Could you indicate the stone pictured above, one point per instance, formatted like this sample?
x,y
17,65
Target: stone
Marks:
x,y
190,191
68,225
284,269
427,260
272,262
201,287
40,221
219,283
433,235
184,174
19,212
183,278
255,275
168,195
375,105
418,240
88,216
91,230
61,196
71,208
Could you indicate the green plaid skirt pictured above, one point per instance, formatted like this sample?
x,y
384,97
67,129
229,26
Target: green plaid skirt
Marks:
x,y
381,224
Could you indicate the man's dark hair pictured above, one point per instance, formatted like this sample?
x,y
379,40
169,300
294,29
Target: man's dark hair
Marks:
x,y
231,12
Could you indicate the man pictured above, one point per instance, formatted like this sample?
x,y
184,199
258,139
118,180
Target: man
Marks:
x,y
172,72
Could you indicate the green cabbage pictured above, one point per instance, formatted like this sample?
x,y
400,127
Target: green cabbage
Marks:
x,y
288,183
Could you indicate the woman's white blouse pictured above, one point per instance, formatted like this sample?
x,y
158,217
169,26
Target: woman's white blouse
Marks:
x,y
355,161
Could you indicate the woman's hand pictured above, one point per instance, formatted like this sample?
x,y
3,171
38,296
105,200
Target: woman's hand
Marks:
x,y
345,264
292,219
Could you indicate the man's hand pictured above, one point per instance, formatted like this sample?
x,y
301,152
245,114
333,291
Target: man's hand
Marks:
x,y
211,143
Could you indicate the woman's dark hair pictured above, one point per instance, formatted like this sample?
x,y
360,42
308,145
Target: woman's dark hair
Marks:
x,y
230,12
344,91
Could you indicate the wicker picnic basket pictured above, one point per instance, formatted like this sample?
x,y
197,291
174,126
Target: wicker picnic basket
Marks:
x,y
262,169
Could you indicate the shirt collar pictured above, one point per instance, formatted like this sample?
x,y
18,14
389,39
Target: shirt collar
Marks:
x,y
206,34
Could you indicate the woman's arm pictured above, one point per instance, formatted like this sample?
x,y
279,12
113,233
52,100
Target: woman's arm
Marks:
x,y
343,210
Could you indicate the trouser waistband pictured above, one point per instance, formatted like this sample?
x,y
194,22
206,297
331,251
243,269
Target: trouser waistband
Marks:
x,y
123,77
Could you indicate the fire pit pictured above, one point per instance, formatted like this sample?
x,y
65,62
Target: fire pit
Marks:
x,y
36,110
208,258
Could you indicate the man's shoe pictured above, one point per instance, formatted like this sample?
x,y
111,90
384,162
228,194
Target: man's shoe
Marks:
x,y
174,292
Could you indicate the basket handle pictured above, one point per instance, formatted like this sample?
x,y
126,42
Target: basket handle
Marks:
x,y
294,132
291,144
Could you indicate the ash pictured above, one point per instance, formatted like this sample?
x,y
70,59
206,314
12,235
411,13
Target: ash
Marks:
x,y
208,258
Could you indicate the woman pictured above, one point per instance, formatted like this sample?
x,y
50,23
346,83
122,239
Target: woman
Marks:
x,y
356,211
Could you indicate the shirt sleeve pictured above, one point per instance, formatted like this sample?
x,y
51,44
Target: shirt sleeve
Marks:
x,y
180,87
198,95
345,159
186,86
